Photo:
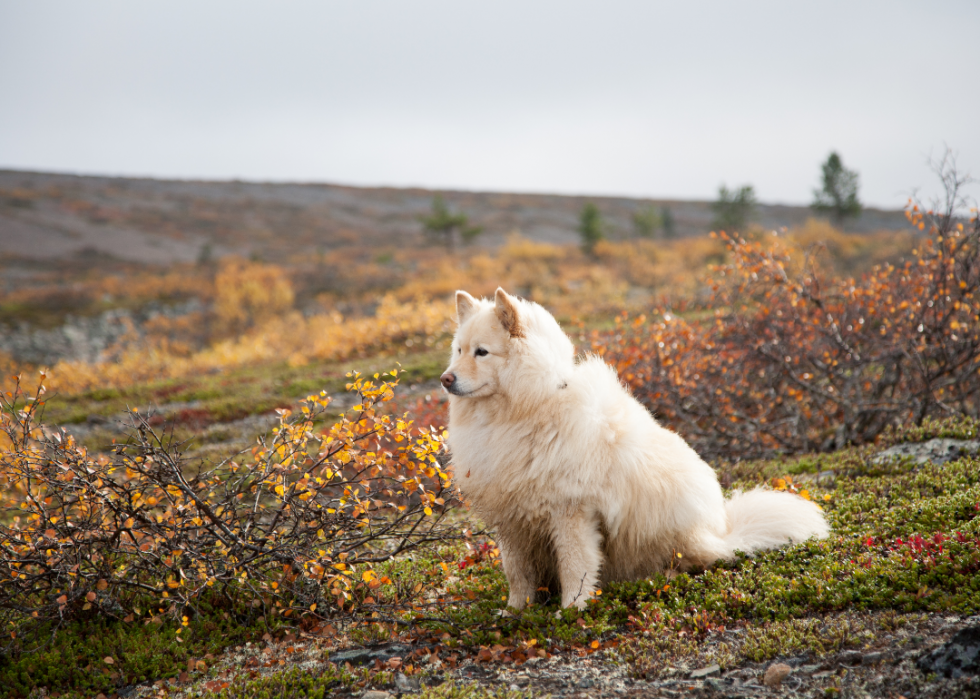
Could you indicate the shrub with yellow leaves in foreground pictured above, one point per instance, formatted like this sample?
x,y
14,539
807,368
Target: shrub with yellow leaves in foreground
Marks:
x,y
293,527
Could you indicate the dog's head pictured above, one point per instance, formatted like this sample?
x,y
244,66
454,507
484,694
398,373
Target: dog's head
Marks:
x,y
503,346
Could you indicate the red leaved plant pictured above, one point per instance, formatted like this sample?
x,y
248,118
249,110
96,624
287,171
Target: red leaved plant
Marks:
x,y
782,361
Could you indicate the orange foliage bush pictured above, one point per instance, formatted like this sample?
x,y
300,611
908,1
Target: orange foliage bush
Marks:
x,y
179,283
290,337
848,254
252,320
135,289
247,293
560,277
294,527
430,411
785,361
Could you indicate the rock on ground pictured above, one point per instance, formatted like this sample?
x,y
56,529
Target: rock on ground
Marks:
x,y
937,451
959,657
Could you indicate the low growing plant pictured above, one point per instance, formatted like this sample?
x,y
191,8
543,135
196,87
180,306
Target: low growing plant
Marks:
x,y
293,528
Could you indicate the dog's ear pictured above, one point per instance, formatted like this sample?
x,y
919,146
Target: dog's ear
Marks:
x,y
508,314
465,305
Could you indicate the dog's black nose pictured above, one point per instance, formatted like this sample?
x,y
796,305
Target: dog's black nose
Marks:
x,y
448,379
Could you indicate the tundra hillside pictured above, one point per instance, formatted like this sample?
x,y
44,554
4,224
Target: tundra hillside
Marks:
x,y
241,492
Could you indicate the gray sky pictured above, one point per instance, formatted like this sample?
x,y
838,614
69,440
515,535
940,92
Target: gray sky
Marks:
x,y
630,97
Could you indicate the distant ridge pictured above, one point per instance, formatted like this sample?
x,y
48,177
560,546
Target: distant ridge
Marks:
x,y
45,216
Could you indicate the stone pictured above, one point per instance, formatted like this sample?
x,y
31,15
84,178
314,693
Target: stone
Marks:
x,y
936,451
585,683
873,658
958,657
775,674
406,684
851,658
363,656
705,672
473,671
375,694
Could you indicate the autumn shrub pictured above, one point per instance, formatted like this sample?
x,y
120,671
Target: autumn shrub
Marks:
x,y
430,410
293,527
782,360
847,254
289,337
247,293
94,291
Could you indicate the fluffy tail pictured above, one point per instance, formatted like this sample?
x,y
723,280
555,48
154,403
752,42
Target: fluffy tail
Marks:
x,y
765,519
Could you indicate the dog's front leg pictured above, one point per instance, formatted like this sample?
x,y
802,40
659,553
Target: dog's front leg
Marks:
x,y
578,548
519,569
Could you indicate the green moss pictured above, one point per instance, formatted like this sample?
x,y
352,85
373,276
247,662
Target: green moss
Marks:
x,y
298,683
320,684
201,393
73,657
451,690
959,427
103,394
662,644
240,392
867,564
815,636
299,388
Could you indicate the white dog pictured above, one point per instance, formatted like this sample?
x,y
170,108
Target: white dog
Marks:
x,y
579,481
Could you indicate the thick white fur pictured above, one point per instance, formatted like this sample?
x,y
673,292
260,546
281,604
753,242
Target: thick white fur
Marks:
x,y
579,481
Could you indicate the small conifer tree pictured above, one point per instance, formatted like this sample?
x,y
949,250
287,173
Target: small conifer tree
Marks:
x,y
837,195
441,225
667,222
734,209
590,227
646,222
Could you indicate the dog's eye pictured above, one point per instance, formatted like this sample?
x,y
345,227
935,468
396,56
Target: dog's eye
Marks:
x,y
459,351
480,352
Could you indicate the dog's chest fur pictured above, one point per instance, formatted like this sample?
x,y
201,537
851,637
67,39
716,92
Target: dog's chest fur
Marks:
x,y
513,470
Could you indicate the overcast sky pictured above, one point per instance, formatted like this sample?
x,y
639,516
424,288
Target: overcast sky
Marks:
x,y
630,97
